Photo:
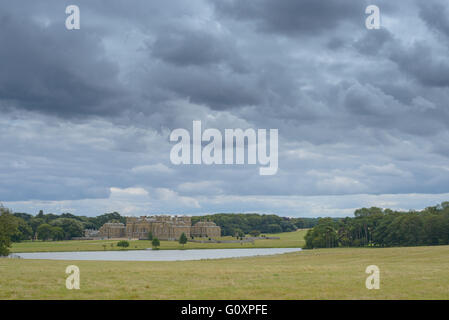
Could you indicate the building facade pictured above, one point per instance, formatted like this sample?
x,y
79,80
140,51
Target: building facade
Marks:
x,y
91,233
161,227
112,230
205,229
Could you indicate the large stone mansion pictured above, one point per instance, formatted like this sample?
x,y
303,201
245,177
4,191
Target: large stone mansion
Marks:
x,y
161,227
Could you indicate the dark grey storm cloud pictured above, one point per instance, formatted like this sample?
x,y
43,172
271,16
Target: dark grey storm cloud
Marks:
x,y
86,114
435,15
287,17
420,62
49,70
190,48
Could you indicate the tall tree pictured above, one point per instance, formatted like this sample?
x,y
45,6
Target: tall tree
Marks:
x,y
183,239
8,227
44,232
155,243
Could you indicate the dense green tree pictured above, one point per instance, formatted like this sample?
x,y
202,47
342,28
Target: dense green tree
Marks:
x,y
49,217
123,244
71,227
155,243
107,217
273,228
238,233
57,233
24,231
25,216
287,226
384,228
183,239
44,232
40,214
34,224
231,222
323,235
8,227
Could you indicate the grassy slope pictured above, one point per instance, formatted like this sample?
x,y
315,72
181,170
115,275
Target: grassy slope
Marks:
x,y
406,273
288,240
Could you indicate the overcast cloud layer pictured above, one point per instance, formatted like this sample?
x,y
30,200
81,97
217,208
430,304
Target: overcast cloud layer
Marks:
x,y
86,114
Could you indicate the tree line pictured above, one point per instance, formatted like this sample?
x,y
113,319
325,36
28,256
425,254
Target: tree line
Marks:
x,y
239,224
65,226
383,228
57,227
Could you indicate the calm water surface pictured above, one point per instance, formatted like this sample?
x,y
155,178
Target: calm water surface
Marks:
x,y
156,255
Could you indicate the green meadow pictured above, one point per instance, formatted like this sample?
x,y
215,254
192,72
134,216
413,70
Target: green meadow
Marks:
x,y
338,273
288,240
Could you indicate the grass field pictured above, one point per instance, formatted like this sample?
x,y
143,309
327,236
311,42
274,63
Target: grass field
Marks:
x,y
288,240
405,273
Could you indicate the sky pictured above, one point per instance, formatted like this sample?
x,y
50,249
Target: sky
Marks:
x,y
86,115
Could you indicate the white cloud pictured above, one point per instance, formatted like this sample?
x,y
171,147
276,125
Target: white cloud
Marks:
x,y
167,195
117,192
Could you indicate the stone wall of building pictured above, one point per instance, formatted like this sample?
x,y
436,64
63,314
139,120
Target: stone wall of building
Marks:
x,y
169,228
91,233
162,227
112,230
137,228
205,229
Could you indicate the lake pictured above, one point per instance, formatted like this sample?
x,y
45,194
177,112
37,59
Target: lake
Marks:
x,y
156,255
